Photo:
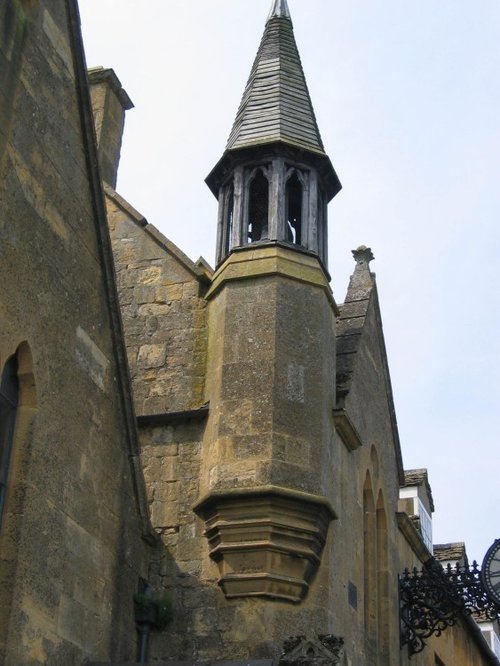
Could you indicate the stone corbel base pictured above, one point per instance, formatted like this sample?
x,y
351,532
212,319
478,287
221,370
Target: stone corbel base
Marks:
x,y
266,541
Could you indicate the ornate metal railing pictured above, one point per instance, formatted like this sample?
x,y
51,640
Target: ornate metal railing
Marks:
x,y
433,599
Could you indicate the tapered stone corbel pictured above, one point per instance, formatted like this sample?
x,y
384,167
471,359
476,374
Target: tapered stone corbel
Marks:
x,y
266,541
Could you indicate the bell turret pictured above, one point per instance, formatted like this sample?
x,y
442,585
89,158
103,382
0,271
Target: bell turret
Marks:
x,y
274,180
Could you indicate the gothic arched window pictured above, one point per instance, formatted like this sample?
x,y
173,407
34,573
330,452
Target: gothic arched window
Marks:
x,y
383,583
258,208
9,398
293,197
370,564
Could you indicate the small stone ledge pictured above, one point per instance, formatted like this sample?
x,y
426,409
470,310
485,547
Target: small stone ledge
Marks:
x,y
101,74
266,541
173,662
346,430
269,259
412,536
169,418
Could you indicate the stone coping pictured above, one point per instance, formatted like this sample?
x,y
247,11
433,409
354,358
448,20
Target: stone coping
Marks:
x,y
272,259
256,491
412,536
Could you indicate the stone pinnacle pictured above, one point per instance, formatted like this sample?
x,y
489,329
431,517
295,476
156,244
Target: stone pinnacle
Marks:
x,y
363,255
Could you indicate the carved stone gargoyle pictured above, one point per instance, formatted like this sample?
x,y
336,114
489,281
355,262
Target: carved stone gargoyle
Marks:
x,y
324,650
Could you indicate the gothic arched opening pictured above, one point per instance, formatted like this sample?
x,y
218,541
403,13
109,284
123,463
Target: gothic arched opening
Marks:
x,y
9,398
370,563
383,582
293,196
258,208
18,406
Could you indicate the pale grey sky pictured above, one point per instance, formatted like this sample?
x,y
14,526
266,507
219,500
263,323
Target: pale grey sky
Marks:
x,y
408,102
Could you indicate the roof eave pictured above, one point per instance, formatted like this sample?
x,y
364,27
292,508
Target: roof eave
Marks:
x,y
235,156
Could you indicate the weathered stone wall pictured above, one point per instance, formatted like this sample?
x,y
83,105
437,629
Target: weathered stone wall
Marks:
x,y
109,103
171,457
206,625
372,469
70,543
270,377
354,593
266,321
371,626
164,313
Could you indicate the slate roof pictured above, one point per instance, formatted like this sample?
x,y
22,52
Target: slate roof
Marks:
x,y
352,317
415,477
448,552
276,105
419,477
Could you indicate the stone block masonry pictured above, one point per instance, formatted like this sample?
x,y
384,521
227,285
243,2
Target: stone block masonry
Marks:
x,y
71,547
164,313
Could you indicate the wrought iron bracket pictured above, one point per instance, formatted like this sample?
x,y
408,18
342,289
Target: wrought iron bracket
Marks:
x,y
431,600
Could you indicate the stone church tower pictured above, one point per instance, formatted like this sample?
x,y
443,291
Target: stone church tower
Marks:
x,y
271,323
221,441
268,435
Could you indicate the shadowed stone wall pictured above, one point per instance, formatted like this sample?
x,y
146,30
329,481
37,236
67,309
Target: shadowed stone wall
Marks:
x,y
71,549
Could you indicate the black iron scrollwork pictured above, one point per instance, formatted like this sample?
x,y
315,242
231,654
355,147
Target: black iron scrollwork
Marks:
x,y
432,600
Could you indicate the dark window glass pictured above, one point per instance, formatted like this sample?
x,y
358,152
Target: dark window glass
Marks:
x,y
9,396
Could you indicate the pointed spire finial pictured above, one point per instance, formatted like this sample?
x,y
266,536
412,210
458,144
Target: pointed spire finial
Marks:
x,y
362,280
280,9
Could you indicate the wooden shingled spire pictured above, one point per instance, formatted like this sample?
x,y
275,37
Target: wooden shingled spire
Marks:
x,y
276,106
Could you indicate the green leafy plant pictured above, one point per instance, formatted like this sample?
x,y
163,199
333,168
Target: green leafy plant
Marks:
x,y
165,612
157,612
